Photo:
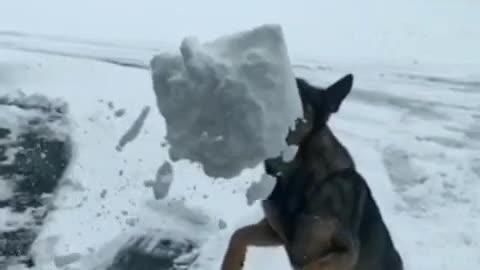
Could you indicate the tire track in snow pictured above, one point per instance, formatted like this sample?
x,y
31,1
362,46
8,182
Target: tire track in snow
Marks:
x,y
72,40
125,62
108,52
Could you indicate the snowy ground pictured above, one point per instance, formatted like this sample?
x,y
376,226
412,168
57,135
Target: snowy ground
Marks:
x,y
413,127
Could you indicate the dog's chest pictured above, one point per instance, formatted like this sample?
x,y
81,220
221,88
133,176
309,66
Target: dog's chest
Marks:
x,y
287,201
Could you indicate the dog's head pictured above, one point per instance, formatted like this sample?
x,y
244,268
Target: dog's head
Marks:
x,y
318,104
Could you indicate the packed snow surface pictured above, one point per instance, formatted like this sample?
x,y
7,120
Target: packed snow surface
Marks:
x,y
413,132
412,122
228,103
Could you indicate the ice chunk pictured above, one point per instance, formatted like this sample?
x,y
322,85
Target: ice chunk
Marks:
x,y
260,190
163,180
134,130
227,103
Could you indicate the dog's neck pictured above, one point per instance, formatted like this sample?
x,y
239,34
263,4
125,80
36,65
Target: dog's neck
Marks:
x,y
324,153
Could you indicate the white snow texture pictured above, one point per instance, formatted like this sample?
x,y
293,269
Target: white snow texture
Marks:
x,y
412,121
228,103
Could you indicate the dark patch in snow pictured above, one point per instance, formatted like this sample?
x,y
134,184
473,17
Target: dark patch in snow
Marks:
x,y
473,134
464,90
134,130
442,80
476,166
444,141
473,131
54,109
16,243
150,252
61,261
426,110
131,63
40,154
4,132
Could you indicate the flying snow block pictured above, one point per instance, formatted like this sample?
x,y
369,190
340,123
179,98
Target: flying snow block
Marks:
x,y
228,103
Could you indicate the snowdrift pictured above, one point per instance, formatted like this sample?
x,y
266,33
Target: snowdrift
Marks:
x,y
228,103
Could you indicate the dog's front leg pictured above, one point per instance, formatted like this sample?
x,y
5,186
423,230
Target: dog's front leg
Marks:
x,y
260,234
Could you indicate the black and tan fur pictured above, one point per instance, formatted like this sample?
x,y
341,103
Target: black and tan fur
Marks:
x,y
321,209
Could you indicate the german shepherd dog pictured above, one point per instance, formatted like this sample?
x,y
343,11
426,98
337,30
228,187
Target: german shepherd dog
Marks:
x,y
321,209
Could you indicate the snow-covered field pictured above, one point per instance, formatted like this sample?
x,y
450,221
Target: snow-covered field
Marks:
x,y
412,121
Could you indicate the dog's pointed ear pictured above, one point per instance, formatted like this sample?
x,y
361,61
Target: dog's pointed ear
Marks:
x,y
337,92
307,95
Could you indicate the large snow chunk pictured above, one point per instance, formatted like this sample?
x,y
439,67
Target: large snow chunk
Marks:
x,y
227,103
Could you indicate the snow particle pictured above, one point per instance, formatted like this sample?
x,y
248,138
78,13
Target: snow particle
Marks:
x,y
103,194
131,221
222,224
120,112
149,183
